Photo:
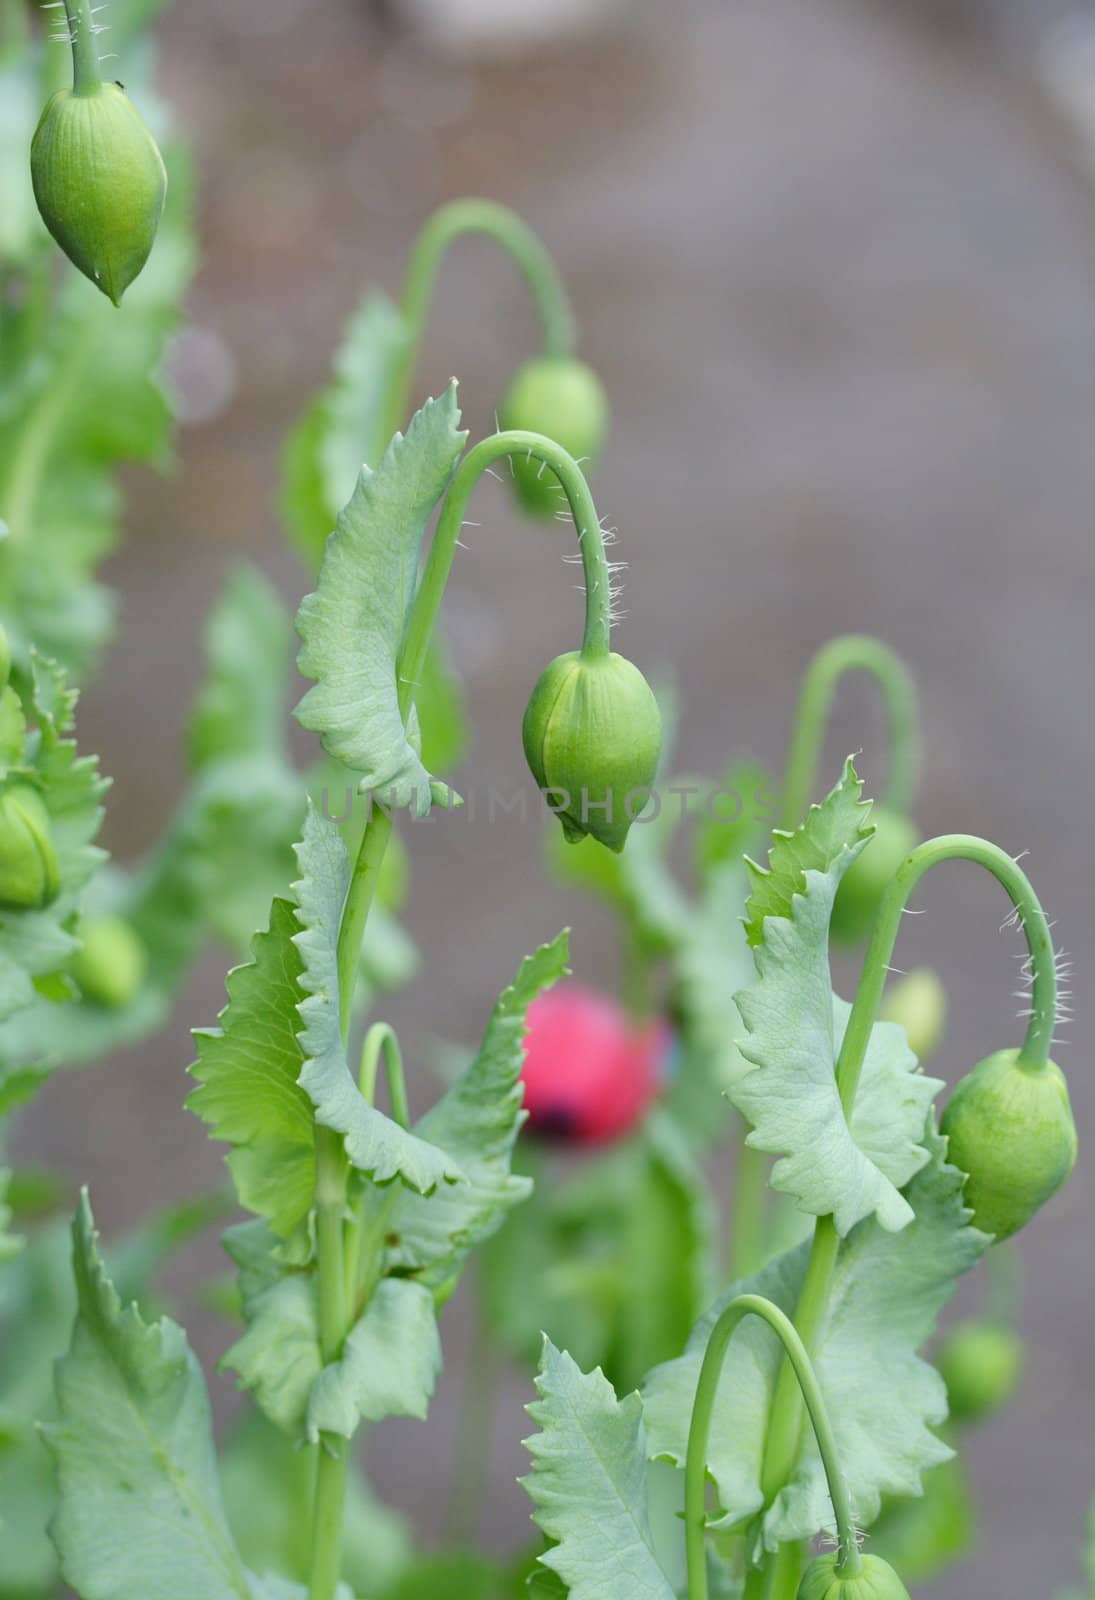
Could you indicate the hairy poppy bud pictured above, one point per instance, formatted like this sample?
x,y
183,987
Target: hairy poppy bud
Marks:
x,y
589,1074
564,399
592,734
100,182
980,1363
919,1002
868,877
110,965
29,875
1010,1130
875,1580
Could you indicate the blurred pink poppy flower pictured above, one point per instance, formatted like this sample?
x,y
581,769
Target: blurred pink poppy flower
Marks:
x,y
589,1072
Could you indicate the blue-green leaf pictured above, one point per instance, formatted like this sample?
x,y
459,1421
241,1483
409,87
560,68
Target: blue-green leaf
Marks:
x,y
140,1514
375,1145
786,1086
589,1485
884,1400
352,627
388,1367
247,1071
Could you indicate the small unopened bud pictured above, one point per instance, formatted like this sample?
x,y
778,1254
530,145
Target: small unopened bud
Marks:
x,y
110,965
874,1579
592,733
100,183
564,399
29,875
1009,1128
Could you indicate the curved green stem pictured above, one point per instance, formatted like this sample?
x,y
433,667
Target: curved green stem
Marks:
x,y
951,847
782,1439
382,1041
507,229
86,77
851,653
431,587
848,1561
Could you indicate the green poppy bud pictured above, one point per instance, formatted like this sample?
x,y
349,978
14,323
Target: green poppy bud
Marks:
x,y
564,399
29,875
110,965
1010,1130
875,1580
100,182
980,1363
919,1002
592,735
868,877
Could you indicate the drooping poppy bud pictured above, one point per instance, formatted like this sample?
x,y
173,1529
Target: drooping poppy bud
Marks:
x,y
589,1074
110,965
980,1363
592,733
100,182
874,1580
29,874
1009,1128
564,399
868,877
919,1002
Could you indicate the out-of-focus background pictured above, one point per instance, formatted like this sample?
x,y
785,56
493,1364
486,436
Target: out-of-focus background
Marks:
x,y
835,261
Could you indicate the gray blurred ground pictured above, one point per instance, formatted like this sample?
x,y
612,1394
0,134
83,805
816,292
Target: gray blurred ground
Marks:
x,y
835,262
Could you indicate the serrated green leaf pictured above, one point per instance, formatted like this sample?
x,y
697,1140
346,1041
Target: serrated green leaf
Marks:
x,y
589,1487
388,1367
240,709
476,1124
786,1088
140,1514
829,840
885,1295
247,1071
375,1145
353,625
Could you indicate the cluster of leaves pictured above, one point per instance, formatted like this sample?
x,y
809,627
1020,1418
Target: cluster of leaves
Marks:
x,y
132,1439
905,1238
